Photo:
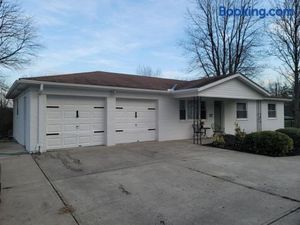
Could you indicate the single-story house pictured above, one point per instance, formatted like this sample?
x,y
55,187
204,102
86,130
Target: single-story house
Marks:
x,y
103,108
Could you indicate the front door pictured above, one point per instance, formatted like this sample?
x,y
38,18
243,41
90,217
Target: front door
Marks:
x,y
218,118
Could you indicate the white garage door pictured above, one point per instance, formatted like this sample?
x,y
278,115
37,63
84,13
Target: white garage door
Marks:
x,y
74,121
135,120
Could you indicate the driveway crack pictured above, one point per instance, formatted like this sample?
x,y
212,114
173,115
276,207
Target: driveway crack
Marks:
x,y
281,217
243,185
65,203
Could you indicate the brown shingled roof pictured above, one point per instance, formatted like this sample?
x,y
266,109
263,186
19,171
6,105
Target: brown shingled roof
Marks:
x,y
101,78
199,83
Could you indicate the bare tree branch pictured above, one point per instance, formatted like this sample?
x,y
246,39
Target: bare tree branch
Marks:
x,y
17,36
148,71
285,37
221,45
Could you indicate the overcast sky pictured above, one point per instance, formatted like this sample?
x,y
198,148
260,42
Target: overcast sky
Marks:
x,y
109,35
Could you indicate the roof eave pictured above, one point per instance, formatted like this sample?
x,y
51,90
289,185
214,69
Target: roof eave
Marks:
x,y
279,99
58,84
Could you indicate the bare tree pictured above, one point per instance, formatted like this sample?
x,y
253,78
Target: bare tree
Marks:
x,y
285,36
221,45
279,89
148,71
17,36
3,90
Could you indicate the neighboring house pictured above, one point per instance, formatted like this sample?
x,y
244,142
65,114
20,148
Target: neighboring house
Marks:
x,y
101,108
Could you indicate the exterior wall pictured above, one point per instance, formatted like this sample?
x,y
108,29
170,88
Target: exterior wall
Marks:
x,y
169,126
20,123
272,123
231,89
250,124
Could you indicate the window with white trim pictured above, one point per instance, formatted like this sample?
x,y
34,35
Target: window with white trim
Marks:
x,y
272,110
241,110
190,109
186,109
182,111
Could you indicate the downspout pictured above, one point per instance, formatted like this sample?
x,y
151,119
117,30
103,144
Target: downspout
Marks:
x,y
38,146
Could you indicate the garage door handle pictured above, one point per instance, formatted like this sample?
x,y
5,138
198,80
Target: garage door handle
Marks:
x,y
135,115
77,114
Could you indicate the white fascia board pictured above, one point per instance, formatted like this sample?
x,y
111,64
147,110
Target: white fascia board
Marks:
x,y
278,99
57,84
11,89
185,93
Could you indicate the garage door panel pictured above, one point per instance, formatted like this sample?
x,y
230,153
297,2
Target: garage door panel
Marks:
x,y
54,141
98,127
134,118
97,121
54,114
98,138
69,128
149,115
54,128
84,114
98,114
75,128
84,139
67,107
84,127
148,136
69,114
135,125
69,139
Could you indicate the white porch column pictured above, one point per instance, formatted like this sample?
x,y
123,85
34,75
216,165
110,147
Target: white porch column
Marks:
x,y
41,138
110,119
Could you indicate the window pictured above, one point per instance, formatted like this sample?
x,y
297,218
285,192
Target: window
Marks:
x,y
190,109
203,110
241,110
182,110
272,110
186,109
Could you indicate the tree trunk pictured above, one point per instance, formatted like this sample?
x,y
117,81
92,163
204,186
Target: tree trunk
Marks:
x,y
297,104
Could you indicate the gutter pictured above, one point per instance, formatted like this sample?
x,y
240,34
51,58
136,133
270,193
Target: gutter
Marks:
x,y
43,83
278,99
11,89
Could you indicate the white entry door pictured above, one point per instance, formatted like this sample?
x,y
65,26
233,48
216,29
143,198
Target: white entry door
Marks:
x,y
135,120
74,121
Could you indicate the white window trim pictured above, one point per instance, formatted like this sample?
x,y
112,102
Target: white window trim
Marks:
x,y
272,118
241,119
186,113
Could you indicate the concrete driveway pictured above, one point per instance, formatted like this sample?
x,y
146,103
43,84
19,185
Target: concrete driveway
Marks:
x,y
162,183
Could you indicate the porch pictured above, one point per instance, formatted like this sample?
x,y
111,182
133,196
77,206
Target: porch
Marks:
x,y
210,116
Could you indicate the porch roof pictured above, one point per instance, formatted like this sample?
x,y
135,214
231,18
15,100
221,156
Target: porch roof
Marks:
x,y
230,87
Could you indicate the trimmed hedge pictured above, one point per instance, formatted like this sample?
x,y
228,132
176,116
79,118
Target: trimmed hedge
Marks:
x,y
268,143
293,133
230,141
